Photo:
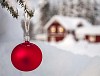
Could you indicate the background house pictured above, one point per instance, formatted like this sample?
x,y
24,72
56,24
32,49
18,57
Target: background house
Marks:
x,y
46,9
90,34
60,26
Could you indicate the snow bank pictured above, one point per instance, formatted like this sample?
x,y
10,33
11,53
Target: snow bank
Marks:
x,y
82,47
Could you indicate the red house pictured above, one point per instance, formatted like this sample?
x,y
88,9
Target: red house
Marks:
x,y
60,26
91,34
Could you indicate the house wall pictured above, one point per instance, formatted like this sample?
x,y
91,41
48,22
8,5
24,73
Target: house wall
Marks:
x,y
96,40
56,36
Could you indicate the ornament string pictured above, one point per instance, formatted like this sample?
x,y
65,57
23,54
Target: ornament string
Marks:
x,y
27,16
27,27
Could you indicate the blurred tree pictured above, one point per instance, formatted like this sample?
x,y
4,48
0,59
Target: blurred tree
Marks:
x,y
80,8
44,14
91,11
95,12
1,1
71,8
88,9
63,8
53,11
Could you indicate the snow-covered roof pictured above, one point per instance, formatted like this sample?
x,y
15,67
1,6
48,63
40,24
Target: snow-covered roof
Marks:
x,y
68,22
93,30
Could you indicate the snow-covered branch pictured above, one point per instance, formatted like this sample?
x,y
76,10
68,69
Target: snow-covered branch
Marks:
x,y
11,6
27,7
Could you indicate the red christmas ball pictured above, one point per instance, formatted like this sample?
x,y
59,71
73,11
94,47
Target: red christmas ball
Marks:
x,y
26,56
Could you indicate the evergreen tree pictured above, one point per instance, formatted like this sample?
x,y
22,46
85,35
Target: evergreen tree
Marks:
x,y
71,8
53,11
91,11
63,8
80,8
95,12
44,13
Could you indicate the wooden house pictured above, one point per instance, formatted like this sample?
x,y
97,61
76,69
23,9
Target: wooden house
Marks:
x,y
90,34
60,26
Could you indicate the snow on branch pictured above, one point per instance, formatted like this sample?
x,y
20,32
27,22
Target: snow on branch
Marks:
x,y
11,6
27,7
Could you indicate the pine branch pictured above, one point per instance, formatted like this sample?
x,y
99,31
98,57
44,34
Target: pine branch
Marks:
x,y
29,12
21,2
5,4
26,9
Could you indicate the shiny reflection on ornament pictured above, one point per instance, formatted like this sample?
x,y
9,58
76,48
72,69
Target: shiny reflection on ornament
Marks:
x,y
21,54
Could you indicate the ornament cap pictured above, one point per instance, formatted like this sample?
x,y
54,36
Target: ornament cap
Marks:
x,y
27,42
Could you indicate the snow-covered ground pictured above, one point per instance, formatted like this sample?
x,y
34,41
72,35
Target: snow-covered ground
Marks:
x,y
56,62
74,60
82,47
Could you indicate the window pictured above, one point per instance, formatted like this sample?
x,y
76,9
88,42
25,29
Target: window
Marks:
x,y
61,29
53,29
92,38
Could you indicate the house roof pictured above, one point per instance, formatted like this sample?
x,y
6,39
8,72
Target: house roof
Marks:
x,y
93,30
67,22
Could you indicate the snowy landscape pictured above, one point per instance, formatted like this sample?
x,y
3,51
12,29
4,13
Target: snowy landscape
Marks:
x,y
66,57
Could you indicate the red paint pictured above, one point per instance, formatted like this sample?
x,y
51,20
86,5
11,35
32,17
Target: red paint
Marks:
x,y
97,38
26,56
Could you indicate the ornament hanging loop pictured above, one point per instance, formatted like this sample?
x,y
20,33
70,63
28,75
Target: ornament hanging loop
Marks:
x,y
27,27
